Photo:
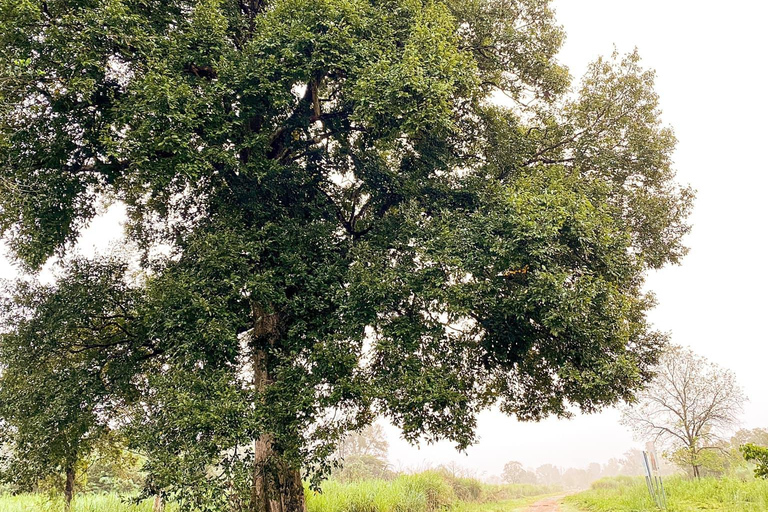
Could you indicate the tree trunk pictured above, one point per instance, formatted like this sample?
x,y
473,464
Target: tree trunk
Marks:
x,y
69,486
276,486
696,472
158,505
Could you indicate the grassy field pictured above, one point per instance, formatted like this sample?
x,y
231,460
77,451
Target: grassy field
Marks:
x,y
429,491
83,503
423,492
683,495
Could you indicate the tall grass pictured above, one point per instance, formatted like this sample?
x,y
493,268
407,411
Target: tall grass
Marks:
x,y
82,503
683,495
430,491
423,492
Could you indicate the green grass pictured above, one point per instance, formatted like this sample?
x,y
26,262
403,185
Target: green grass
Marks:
x,y
429,491
82,503
683,495
423,492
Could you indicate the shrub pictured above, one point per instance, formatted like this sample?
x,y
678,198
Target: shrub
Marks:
x,y
758,455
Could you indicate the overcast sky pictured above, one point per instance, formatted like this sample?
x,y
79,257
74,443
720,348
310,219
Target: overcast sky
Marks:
x,y
710,61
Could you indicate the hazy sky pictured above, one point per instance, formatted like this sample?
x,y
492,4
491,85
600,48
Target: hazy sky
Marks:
x,y
711,78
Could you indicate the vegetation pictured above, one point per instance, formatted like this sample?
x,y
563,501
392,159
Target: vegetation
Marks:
x,y
625,494
335,223
689,408
758,455
83,503
427,491
424,492
363,456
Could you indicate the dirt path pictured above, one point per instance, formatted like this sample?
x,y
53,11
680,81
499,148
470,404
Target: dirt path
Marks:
x,y
547,505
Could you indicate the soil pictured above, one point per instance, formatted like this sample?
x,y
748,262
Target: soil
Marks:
x,y
546,505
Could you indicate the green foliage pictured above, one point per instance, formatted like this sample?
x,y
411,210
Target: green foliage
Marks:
x,y
758,455
57,385
324,196
111,468
622,494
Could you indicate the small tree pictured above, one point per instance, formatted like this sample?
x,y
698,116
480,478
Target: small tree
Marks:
x,y
55,392
688,408
758,455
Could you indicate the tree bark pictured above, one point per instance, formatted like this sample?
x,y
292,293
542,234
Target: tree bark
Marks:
x,y
158,505
276,486
69,486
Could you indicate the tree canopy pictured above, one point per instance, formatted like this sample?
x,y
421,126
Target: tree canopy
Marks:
x,y
336,219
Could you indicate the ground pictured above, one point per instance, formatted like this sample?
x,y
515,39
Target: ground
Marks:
x,y
551,504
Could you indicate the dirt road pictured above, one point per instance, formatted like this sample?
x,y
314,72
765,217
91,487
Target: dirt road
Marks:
x,y
547,505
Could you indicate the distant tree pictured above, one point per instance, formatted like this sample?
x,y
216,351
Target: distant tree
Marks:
x,y
529,477
363,455
548,474
612,467
513,472
456,470
688,408
732,458
371,440
758,455
758,436
575,478
594,471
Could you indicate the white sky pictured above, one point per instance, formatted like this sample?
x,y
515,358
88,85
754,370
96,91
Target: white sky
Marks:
x,y
710,59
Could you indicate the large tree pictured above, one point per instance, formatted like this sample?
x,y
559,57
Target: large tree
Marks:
x,y
337,222
689,407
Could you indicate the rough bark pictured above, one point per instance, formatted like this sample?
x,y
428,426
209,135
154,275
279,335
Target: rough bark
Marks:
x,y
69,486
276,487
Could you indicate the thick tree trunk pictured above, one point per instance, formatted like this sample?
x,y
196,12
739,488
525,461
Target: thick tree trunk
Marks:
x,y
276,487
293,491
69,486
158,505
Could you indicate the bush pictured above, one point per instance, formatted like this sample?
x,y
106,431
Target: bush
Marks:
x,y
758,455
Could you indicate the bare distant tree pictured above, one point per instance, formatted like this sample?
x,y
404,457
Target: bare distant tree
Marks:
x,y
689,408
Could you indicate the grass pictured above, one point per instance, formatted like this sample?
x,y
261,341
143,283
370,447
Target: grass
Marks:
x,y
82,503
430,491
423,492
625,494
